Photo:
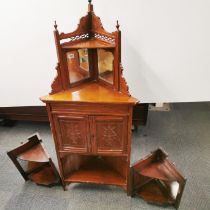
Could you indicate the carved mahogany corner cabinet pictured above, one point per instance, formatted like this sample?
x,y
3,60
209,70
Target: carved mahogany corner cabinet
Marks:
x,y
89,107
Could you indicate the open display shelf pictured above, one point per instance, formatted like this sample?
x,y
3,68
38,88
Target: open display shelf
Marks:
x,y
157,181
34,163
46,176
97,171
155,192
34,154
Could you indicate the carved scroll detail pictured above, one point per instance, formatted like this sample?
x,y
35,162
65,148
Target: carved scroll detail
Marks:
x,y
82,28
56,85
98,28
90,26
123,84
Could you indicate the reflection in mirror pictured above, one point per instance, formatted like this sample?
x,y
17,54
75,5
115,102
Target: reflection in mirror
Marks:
x,y
78,65
105,65
174,189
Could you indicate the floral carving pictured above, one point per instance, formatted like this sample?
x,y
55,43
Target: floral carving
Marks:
x,y
73,135
110,136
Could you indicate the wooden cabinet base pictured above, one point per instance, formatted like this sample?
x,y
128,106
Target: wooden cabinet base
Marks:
x,y
97,170
39,114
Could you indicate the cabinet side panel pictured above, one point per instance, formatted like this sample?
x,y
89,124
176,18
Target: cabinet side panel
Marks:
x,y
119,164
52,125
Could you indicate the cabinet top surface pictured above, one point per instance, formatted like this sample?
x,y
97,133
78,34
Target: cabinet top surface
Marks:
x,y
91,93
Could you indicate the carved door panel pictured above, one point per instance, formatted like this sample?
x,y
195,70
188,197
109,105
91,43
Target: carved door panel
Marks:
x,y
73,133
110,134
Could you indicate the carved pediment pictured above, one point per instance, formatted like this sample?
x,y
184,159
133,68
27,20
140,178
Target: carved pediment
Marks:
x,y
90,26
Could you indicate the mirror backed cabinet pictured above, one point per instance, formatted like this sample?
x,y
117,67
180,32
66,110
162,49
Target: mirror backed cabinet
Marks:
x,y
89,107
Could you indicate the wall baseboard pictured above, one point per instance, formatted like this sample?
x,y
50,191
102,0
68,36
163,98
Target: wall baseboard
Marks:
x,y
39,113
27,113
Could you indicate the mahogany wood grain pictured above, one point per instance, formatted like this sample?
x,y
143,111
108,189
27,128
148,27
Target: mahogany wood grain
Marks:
x,y
34,163
154,177
91,35
91,93
35,154
91,119
97,171
46,177
154,192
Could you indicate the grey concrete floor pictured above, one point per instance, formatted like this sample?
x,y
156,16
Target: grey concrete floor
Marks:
x,y
184,133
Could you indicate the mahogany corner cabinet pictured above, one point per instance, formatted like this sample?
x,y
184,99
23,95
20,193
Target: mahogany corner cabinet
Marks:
x,y
89,107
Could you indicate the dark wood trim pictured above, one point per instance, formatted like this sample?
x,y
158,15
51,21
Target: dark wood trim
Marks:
x,y
39,113
140,113
27,113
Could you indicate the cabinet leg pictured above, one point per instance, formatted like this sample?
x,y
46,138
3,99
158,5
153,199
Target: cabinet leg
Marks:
x,y
64,187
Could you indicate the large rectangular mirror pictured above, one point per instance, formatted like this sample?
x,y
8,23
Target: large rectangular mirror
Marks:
x,y
78,65
105,65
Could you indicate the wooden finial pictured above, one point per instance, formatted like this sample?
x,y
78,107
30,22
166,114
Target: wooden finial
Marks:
x,y
55,25
90,6
117,26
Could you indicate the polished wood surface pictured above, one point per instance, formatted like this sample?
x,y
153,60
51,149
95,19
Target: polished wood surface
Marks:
x,y
46,177
91,119
154,192
157,180
34,163
97,171
89,35
35,154
91,93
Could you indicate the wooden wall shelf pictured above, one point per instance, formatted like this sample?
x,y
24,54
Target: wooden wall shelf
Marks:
x,y
156,180
34,163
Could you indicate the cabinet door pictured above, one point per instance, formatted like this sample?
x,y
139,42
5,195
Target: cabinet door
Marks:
x,y
110,134
73,133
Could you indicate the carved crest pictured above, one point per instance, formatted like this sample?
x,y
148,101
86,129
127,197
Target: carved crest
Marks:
x,y
123,84
89,24
89,30
56,84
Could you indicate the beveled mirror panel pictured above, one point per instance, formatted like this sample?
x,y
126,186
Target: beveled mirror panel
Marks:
x,y
105,65
78,65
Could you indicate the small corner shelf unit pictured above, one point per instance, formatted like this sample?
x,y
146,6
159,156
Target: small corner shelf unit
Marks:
x,y
157,181
89,107
34,163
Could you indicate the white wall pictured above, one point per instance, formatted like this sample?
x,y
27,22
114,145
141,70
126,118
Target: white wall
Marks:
x,y
165,54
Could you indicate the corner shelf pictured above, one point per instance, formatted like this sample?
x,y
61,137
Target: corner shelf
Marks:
x,y
155,192
35,154
157,181
34,163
